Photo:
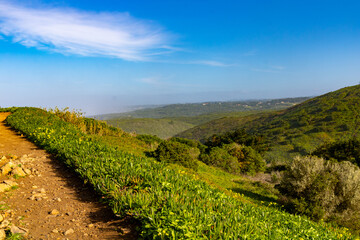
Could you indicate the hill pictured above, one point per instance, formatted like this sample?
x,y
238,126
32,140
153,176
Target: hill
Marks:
x,y
298,129
163,128
167,121
167,200
196,109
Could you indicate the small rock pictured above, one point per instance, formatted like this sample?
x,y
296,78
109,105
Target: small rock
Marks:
x,y
73,220
55,231
90,225
2,234
58,200
18,171
54,212
35,187
18,230
42,190
27,171
4,223
4,187
10,183
70,231
7,168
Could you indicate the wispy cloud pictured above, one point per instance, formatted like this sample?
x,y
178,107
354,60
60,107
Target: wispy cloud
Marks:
x,y
70,31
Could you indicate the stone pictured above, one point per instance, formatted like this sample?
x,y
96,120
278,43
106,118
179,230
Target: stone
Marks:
x,y
27,171
54,212
4,223
90,225
2,234
58,200
70,231
7,168
10,183
18,171
4,187
18,230
55,231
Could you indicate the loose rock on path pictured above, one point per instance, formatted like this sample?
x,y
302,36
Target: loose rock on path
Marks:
x,y
51,202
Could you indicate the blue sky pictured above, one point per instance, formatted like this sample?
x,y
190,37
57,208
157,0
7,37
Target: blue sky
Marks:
x,y
102,56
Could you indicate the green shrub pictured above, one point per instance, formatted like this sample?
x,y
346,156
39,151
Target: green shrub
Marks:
x,y
179,153
323,190
220,157
346,150
249,160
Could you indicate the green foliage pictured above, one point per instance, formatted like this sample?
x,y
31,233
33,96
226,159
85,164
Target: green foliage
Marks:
x,y
163,128
249,160
221,158
343,150
176,152
239,136
298,129
170,203
196,109
323,190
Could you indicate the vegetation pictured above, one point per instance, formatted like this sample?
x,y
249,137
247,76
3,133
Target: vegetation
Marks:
x,y
338,151
169,201
323,190
196,109
299,129
163,128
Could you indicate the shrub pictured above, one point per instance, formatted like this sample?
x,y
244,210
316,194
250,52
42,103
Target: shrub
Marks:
x,y
152,141
219,157
323,190
179,153
347,150
249,160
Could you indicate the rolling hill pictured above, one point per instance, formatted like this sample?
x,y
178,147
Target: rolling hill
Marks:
x,y
298,129
167,121
196,109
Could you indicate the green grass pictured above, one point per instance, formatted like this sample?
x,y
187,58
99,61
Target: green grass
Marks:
x,y
171,203
163,128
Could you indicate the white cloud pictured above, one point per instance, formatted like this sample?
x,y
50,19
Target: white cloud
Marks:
x,y
70,31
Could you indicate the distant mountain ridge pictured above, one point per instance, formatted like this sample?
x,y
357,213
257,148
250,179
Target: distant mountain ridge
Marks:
x,y
195,109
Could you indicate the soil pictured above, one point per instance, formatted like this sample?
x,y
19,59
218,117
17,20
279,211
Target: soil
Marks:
x,y
54,203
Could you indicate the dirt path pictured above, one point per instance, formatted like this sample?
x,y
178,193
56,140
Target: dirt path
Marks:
x,y
52,186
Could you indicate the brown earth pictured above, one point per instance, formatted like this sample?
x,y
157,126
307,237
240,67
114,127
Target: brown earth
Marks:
x,y
52,186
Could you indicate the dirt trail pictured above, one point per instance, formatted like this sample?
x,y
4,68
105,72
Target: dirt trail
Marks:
x,y
55,187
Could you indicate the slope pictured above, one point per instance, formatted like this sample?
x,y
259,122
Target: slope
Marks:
x,y
298,129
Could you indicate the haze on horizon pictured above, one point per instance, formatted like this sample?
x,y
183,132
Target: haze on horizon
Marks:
x,y
102,56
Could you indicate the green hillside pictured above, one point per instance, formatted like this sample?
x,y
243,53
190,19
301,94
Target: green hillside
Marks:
x,y
196,109
298,129
169,201
163,128
167,121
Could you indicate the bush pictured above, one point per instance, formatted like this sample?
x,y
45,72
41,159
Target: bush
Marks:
x,y
219,157
348,150
179,153
152,141
249,160
323,190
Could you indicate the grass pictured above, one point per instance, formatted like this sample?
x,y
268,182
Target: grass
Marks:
x,y
170,202
163,128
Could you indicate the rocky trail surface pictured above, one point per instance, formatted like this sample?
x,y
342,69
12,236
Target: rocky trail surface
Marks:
x,y
50,201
